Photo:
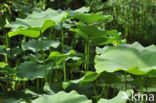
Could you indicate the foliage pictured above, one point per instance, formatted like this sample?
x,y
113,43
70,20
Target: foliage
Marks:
x,y
70,56
74,97
134,18
133,59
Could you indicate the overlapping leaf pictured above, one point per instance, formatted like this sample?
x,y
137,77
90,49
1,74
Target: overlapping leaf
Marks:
x,y
128,58
32,70
63,97
37,45
37,22
93,34
93,18
139,47
58,57
72,13
88,77
122,97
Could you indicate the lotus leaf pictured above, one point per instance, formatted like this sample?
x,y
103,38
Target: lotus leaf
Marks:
x,y
93,18
58,57
37,22
93,34
127,58
88,77
63,97
122,97
32,70
36,45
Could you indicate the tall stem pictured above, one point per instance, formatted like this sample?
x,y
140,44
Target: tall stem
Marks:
x,y
63,65
7,45
37,81
125,87
88,54
45,70
87,49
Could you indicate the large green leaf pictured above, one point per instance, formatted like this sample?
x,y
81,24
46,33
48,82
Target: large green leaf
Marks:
x,y
37,22
72,13
32,70
93,18
122,97
36,45
63,97
28,33
58,57
128,58
93,34
139,47
88,77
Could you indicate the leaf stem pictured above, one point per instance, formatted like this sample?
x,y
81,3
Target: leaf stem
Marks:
x,y
45,70
125,78
63,64
7,45
87,49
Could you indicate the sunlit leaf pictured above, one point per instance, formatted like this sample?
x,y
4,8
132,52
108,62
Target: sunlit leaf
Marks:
x,y
122,97
93,34
129,59
37,23
38,45
32,70
63,97
58,57
72,13
88,77
93,18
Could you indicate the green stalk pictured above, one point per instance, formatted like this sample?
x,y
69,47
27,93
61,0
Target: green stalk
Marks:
x,y
63,66
142,92
50,34
88,54
54,34
87,49
18,84
125,86
50,37
142,88
106,92
103,90
38,83
7,45
114,89
24,85
146,89
37,47
6,56
95,92
45,70
42,83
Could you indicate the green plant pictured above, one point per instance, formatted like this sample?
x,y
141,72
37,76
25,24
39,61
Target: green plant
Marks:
x,y
70,56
